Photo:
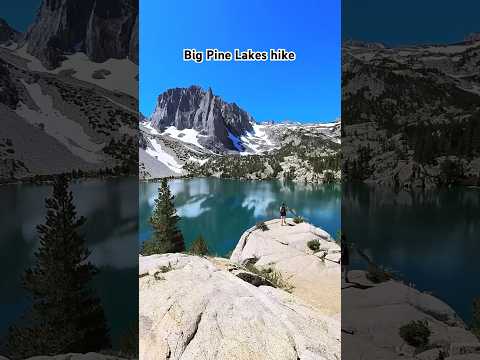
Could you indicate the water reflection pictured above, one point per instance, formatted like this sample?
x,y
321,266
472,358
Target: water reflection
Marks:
x,y
221,210
111,209
431,238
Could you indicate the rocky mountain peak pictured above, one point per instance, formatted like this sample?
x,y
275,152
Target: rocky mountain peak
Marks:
x,y
398,137
195,108
102,29
7,33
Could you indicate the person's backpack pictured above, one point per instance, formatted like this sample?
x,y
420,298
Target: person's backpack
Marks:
x,y
283,210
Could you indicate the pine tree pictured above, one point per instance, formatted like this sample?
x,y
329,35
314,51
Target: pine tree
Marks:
x,y
199,246
65,315
166,237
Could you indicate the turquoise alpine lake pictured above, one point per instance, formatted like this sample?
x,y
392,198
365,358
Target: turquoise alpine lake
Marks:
x,y
110,208
221,210
430,239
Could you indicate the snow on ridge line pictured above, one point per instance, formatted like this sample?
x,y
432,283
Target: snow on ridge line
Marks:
x,y
164,157
300,124
249,143
150,128
258,135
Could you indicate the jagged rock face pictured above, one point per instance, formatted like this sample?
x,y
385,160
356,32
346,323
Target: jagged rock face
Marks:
x,y
194,108
411,115
8,91
60,26
7,33
112,30
102,29
133,47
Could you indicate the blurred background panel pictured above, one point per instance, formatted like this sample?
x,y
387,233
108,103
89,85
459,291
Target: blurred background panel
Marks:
x,y
411,172
69,106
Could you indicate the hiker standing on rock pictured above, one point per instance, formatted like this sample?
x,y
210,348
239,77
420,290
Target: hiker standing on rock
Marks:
x,y
345,257
283,214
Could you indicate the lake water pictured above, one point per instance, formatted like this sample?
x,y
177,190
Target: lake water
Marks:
x,y
430,238
221,210
111,233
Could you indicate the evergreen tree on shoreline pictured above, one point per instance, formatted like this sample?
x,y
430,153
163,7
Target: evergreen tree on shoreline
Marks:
x,y
65,315
166,236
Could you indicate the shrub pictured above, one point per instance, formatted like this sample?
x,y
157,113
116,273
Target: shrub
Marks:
x,y
271,275
199,246
165,269
328,177
261,226
415,333
377,274
314,245
442,355
298,219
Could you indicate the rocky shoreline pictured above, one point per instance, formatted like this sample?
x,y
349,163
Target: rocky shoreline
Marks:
x,y
215,308
277,298
374,312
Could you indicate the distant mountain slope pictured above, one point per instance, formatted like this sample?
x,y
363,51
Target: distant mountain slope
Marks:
x,y
54,124
194,132
411,115
61,109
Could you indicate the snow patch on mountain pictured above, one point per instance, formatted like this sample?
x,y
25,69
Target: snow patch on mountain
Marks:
x,y
189,136
148,126
163,156
254,140
200,161
120,76
68,132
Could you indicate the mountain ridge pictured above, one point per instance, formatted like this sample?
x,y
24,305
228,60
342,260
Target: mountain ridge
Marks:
x,y
193,132
8,35
411,114
195,108
63,111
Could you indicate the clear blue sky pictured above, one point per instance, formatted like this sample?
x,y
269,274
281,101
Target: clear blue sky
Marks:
x,y
305,90
410,21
